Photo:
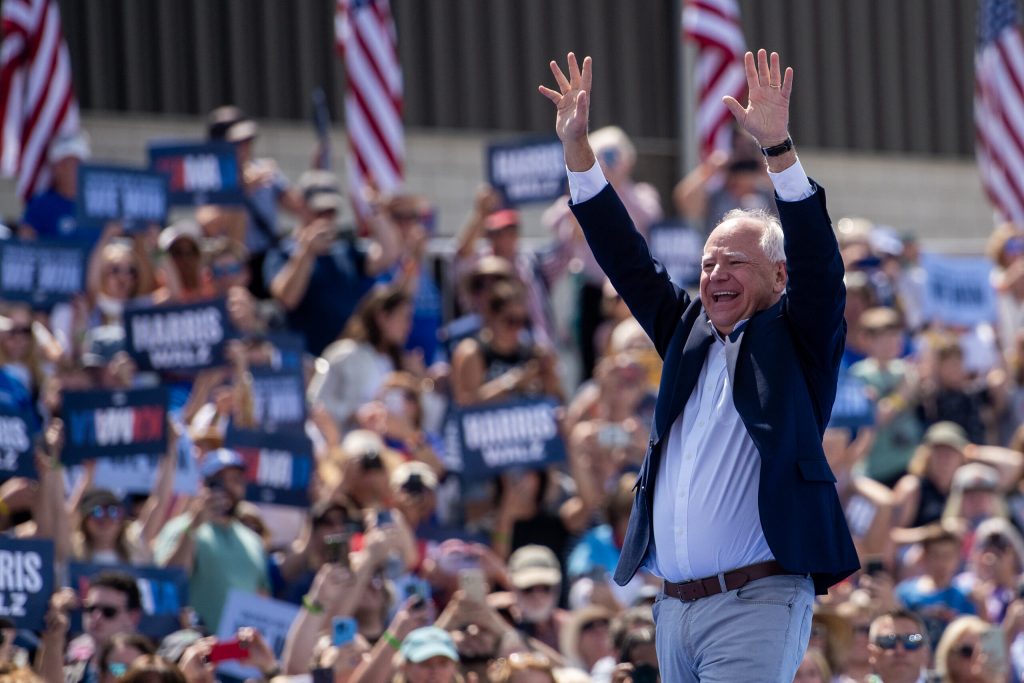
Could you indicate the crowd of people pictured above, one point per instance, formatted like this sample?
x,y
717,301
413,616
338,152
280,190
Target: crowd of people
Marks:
x,y
400,568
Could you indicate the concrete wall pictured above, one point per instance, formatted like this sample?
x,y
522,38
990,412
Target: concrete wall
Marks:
x,y
939,200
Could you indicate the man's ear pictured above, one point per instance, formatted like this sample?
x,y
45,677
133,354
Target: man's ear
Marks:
x,y
780,278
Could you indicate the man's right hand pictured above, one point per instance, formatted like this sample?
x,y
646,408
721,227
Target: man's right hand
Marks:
x,y
572,101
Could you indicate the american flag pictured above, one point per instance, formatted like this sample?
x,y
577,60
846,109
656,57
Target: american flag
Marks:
x,y
37,102
714,25
999,106
368,43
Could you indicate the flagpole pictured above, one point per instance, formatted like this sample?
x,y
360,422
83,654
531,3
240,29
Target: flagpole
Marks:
x,y
687,55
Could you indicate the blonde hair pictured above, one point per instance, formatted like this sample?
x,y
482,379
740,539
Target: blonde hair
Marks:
x,y
954,632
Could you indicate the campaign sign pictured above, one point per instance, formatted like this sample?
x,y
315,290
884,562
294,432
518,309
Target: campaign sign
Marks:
x,y
128,474
134,196
164,592
852,408
100,424
527,171
17,457
272,618
279,399
278,466
183,338
42,273
198,173
519,434
26,581
679,248
958,290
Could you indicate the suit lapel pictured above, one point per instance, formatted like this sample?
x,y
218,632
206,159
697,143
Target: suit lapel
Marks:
x,y
677,386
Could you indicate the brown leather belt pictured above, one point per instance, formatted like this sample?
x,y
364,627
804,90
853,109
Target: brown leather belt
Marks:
x,y
688,591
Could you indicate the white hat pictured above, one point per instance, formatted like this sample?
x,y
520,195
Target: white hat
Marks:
x,y
69,145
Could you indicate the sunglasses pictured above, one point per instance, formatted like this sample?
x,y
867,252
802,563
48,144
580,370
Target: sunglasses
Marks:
x,y
106,611
965,651
112,512
184,252
117,269
596,623
910,641
227,270
862,629
21,330
997,543
406,217
515,321
539,588
117,669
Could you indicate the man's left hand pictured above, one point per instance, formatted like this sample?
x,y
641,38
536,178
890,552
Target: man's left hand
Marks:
x,y
766,116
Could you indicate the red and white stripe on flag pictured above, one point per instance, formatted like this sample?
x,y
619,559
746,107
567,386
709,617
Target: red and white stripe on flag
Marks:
x,y
368,43
714,25
999,106
37,101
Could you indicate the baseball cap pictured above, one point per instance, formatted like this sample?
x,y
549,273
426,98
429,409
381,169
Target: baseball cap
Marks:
x,y
975,477
69,145
534,565
428,642
498,220
243,130
183,229
321,191
946,434
221,119
218,460
413,475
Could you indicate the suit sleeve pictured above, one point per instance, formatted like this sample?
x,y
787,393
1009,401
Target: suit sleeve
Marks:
x,y
623,255
815,294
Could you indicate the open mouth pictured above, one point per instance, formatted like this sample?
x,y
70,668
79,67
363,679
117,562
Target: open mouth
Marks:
x,y
720,297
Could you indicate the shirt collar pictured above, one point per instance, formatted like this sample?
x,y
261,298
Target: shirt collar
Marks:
x,y
732,336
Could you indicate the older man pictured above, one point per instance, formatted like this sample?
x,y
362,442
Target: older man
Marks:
x,y
736,507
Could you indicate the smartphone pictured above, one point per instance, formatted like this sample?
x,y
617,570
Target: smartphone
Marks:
x,y
324,675
384,517
473,583
227,650
343,631
645,673
613,436
336,549
874,566
993,644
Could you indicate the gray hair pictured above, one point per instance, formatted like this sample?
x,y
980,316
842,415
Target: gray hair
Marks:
x,y
772,240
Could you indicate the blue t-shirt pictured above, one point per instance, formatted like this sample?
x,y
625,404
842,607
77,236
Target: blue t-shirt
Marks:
x,y
51,214
335,287
426,315
936,608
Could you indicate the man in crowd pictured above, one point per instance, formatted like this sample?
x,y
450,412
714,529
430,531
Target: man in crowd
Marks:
x,y
320,274
112,605
51,214
899,648
736,507
216,550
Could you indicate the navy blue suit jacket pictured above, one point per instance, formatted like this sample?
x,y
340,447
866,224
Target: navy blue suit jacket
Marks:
x,y
783,372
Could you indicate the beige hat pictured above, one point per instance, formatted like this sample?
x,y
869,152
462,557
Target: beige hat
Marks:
x,y
534,565
946,434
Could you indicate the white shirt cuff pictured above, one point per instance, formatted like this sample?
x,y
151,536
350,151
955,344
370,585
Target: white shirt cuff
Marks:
x,y
791,184
585,185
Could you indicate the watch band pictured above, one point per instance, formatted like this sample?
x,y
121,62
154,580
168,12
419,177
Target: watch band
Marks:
x,y
779,149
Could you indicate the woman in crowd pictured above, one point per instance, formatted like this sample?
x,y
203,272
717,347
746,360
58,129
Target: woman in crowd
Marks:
x,y
921,495
120,653
813,669
351,371
499,364
117,275
994,566
960,656
522,667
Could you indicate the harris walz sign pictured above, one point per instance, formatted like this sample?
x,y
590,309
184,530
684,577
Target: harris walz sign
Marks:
x,y
101,424
183,338
278,466
26,581
515,435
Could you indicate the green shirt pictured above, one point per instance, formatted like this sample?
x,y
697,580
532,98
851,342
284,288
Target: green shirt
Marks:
x,y
225,557
894,442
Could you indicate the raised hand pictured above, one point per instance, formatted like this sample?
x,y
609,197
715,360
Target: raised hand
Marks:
x,y
572,103
766,116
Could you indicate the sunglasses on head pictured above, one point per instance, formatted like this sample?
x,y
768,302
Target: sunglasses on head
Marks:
x,y
965,651
910,641
226,269
106,512
106,611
